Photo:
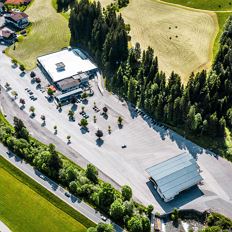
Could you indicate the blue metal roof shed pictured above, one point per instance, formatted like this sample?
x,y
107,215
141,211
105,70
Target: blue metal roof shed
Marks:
x,y
175,175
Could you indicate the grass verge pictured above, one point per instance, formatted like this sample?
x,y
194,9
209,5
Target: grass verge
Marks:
x,y
213,5
34,208
222,17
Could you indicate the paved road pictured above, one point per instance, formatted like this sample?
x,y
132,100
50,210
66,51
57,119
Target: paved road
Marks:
x,y
54,188
4,228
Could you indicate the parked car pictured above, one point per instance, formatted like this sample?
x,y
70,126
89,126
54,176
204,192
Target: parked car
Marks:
x,y
67,194
103,218
124,146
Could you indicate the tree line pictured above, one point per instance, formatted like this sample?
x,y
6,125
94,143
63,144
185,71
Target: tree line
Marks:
x,y
202,107
85,184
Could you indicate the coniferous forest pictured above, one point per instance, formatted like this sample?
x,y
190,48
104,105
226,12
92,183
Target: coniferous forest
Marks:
x,y
203,107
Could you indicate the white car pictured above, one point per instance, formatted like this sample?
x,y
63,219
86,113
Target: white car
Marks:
x,y
16,10
103,218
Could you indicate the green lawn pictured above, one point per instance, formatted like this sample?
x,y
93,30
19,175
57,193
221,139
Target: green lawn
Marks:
x,y
214,5
24,205
222,17
49,32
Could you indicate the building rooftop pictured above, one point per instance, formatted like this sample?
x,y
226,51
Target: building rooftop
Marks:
x,y
17,2
68,83
175,175
6,32
16,16
72,63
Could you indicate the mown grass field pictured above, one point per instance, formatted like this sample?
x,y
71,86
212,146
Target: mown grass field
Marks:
x,y
221,7
182,39
49,32
24,205
214,5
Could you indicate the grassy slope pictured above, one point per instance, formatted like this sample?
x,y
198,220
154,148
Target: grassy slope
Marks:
x,y
49,33
34,208
222,17
214,5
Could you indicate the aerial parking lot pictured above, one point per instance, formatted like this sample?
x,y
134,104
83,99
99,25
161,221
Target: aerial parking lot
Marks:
x,y
123,152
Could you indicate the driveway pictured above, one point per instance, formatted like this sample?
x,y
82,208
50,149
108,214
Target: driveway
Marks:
x,y
146,145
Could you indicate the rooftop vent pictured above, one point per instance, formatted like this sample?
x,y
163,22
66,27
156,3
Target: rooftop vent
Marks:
x,y
60,66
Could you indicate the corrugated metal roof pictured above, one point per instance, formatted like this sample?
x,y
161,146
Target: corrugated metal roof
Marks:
x,y
73,92
175,175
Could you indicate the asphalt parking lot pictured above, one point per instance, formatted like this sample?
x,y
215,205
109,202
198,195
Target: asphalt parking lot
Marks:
x,y
146,145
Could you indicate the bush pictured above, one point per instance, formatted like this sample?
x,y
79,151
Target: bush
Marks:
x,y
21,67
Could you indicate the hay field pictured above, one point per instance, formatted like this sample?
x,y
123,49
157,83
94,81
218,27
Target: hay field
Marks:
x,y
214,5
49,33
182,39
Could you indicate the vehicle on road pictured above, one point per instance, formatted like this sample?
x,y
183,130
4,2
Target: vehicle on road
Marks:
x,y
103,218
124,146
67,194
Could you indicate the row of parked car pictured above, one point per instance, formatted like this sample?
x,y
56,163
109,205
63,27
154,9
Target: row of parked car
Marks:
x,y
32,97
150,119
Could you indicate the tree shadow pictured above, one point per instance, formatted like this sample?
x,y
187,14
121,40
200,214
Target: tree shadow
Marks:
x,y
85,101
43,124
99,142
181,142
132,111
74,107
120,126
84,130
71,119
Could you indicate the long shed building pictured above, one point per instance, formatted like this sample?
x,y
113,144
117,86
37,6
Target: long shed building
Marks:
x,y
174,175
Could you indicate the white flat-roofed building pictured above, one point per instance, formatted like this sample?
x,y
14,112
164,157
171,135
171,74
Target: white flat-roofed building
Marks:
x,y
67,63
175,175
